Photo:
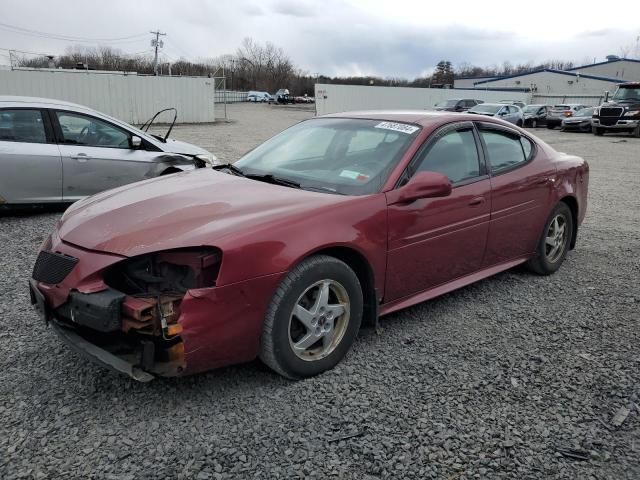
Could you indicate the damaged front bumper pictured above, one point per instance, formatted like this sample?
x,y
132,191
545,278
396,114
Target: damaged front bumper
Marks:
x,y
97,326
99,355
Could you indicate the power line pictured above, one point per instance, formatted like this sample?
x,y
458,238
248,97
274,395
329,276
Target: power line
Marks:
x,y
68,38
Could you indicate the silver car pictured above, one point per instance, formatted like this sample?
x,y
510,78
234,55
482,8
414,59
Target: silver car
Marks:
x,y
510,113
53,151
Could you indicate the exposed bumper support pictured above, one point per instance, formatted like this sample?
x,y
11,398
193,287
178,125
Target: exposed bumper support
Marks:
x,y
98,355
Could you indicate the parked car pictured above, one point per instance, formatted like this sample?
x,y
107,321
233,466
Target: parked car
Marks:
x,y
557,113
304,99
509,113
513,102
535,115
260,97
580,121
53,151
622,113
457,105
285,253
283,96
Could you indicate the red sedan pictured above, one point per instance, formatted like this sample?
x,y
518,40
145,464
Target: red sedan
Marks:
x,y
283,255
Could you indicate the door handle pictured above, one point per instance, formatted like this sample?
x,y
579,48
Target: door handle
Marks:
x,y
474,202
81,157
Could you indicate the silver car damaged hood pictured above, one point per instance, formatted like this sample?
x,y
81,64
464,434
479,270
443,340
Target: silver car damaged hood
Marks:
x,y
176,146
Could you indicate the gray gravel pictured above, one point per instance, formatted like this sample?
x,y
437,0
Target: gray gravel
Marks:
x,y
517,376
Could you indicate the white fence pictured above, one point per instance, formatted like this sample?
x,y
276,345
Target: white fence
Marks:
x,y
129,97
343,98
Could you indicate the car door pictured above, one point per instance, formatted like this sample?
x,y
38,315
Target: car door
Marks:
x,y
522,181
97,155
433,241
29,158
542,116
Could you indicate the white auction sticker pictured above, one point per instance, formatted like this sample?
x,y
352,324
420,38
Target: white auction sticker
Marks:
x,y
354,175
398,127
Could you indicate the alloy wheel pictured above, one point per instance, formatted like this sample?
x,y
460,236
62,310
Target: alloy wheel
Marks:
x,y
319,320
556,238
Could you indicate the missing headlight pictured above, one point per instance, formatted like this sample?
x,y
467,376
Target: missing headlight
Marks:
x,y
170,272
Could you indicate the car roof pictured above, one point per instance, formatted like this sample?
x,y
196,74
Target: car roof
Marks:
x,y
418,117
41,102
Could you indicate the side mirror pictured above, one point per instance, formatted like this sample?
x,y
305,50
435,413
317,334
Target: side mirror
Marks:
x,y
135,142
421,185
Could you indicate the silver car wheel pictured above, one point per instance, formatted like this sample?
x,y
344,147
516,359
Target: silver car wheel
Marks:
x,y
319,320
556,238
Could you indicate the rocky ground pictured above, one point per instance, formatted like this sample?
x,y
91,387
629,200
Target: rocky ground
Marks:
x,y
517,376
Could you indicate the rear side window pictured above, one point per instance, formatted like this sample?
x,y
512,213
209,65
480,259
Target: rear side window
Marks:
x,y
454,155
22,126
506,150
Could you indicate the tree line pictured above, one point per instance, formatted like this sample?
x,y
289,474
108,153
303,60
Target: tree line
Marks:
x,y
266,67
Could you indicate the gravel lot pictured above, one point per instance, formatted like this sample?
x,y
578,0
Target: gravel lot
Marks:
x,y
501,379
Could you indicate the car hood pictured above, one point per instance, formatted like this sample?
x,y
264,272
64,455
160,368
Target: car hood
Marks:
x,y
176,146
184,209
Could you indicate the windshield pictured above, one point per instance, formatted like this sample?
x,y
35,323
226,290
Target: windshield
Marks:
x,y
448,103
340,155
486,108
585,112
561,107
531,108
627,94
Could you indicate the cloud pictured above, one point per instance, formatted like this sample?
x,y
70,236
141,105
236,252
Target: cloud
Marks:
x,y
293,9
332,37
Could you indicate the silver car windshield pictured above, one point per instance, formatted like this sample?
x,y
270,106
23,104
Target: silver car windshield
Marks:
x,y
340,155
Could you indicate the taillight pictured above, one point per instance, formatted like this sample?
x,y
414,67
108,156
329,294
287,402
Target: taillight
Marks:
x,y
568,114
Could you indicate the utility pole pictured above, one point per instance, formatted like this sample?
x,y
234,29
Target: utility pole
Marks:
x,y
157,43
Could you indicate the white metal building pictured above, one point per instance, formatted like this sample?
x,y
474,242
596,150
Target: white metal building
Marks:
x,y
549,81
468,82
129,97
622,68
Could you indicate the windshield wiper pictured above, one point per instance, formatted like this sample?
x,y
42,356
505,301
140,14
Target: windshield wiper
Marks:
x,y
269,178
231,167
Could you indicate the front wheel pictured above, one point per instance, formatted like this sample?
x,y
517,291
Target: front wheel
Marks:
x,y
553,245
550,126
313,318
534,123
597,131
519,123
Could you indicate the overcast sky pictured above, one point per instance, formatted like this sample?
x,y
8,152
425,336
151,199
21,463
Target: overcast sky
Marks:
x,y
400,38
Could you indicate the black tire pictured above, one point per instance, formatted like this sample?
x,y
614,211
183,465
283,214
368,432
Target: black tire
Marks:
x,y
636,131
550,126
562,128
534,123
519,123
276,350
540,263
597,131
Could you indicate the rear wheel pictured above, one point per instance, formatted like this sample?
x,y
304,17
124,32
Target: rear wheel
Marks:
x,y
534,123
597,131
519,123
313,318
554,242
550,126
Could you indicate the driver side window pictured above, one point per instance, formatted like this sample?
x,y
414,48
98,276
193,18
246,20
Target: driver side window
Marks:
x,y
78,129
454,155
